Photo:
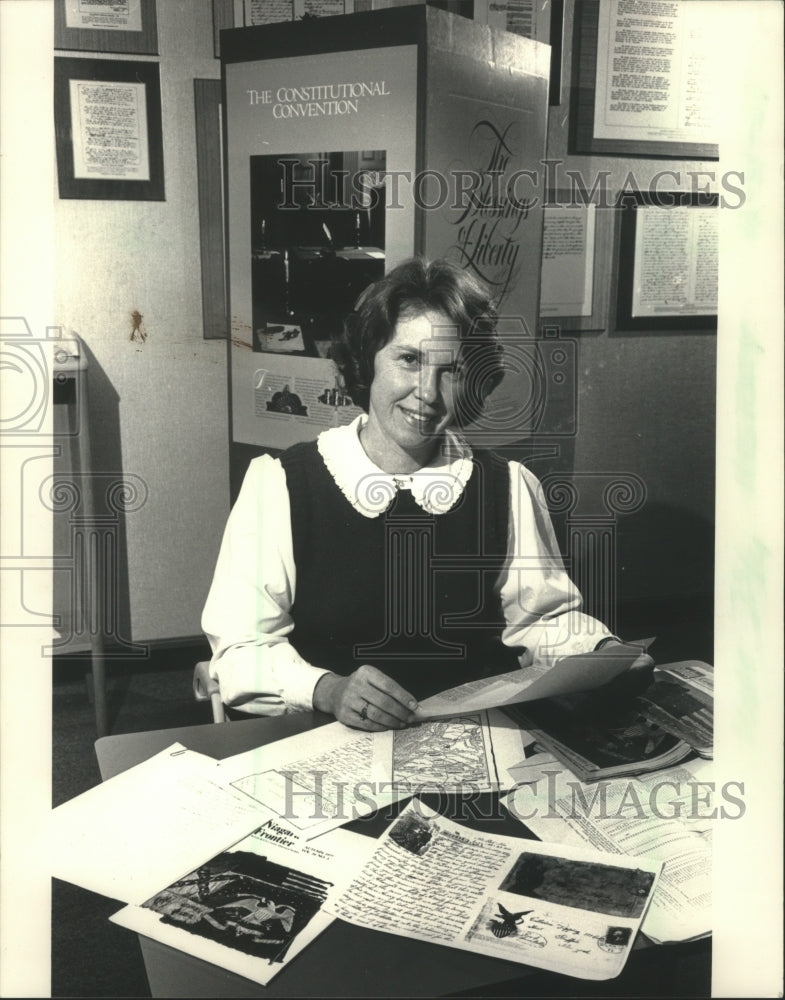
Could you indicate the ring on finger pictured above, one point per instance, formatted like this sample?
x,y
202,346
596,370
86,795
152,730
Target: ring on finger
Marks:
x,y
364,711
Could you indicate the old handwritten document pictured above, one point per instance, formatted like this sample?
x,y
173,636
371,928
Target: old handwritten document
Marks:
x,y
570,910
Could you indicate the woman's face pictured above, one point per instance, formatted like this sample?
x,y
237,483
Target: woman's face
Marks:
x,y
413,393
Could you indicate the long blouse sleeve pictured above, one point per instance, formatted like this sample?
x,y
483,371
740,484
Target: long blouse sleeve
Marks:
x,y
541,604
247,616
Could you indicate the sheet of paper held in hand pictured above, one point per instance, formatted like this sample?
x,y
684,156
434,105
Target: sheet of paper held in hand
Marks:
x,y
253,907
666,815
581,672
147,826
570,910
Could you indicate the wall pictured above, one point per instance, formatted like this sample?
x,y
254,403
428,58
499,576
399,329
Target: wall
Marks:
x,y
646,404
646,401
158,408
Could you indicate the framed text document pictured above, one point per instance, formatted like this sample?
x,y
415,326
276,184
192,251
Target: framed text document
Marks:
x,y
669,262
647,79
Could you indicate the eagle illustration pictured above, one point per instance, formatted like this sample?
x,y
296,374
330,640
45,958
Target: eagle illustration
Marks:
x,y
505,923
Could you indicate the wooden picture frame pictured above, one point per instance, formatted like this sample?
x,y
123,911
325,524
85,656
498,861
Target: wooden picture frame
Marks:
x,y
88,165
209,171
140,37
664,265
225,16
583,139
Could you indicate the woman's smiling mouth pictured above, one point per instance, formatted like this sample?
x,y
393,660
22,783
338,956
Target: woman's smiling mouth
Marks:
x,y
423,422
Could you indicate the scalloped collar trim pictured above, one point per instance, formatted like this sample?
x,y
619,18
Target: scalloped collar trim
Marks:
x,y
436,487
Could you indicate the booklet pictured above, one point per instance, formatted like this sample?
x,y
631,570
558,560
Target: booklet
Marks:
x,y
570,910
251,908
598,741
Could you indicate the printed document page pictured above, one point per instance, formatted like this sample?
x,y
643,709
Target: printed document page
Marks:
x,y
571,910
141,829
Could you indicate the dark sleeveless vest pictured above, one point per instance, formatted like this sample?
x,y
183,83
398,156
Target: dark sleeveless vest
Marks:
x,y
407,591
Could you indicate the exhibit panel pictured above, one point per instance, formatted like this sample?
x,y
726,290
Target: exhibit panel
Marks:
x,y
402,131
484,143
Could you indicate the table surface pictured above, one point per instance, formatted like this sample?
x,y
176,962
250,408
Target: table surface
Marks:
x,y
344,960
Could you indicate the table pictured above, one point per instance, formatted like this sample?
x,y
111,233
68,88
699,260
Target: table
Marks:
x,y
345,960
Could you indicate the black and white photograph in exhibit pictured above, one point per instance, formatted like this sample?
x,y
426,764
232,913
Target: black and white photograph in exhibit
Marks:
x,y
317,240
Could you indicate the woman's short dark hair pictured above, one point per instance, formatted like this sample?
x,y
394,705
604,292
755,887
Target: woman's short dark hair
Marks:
x,y
413,287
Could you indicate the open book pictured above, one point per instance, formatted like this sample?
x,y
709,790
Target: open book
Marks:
x,y
599,737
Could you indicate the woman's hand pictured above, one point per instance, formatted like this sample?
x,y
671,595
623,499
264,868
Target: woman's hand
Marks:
x,y
367,699
635,679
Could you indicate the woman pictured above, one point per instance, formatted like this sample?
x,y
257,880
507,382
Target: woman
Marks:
x,y
386,560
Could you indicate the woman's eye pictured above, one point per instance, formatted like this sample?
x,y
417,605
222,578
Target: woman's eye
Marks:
x,y
409,359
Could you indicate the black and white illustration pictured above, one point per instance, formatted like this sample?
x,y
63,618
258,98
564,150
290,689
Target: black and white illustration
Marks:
x,y
243,901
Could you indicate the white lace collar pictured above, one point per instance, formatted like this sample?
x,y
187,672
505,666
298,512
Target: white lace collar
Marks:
x,y
436,487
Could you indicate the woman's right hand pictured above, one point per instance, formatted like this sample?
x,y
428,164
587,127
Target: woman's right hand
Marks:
x,y
367,699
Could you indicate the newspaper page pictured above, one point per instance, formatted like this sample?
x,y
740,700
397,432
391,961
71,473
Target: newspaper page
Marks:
x,y
314,781
253,907
664,815
566,909
693,673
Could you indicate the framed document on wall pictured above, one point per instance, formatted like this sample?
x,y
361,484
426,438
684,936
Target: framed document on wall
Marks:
x,y
646,85
668,262
119,26
575,283
108,129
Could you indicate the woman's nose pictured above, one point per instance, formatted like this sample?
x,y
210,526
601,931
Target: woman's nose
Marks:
x,y
428,384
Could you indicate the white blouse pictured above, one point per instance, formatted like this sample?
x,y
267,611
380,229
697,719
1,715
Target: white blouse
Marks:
x,y
247,617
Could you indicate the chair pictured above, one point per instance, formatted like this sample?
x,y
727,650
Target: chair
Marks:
x,y
207,689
